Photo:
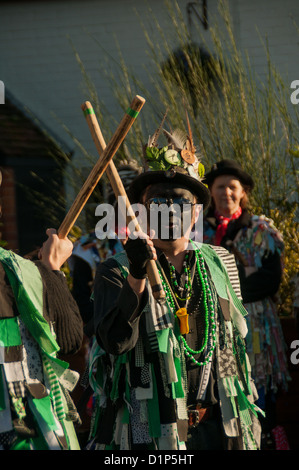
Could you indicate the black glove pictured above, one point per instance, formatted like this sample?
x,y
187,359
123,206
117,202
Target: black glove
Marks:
x,y
139,253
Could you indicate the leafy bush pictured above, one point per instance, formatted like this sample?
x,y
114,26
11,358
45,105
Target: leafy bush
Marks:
x,y
233,114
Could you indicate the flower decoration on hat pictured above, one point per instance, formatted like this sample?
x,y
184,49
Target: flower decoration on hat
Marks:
x,y
179,155
176,162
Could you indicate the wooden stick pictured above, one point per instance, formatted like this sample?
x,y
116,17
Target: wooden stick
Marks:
x,y
101,165
119,190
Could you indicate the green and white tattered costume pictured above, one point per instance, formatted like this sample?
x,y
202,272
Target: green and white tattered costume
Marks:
x,y
34,383
129,410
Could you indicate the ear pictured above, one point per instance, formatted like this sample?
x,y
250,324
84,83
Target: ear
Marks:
x,y
197,212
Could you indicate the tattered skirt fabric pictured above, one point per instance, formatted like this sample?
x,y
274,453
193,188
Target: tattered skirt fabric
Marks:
x,y
266,346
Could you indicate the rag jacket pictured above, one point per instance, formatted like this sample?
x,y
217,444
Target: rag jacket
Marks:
x,y
143,382
38,321
258,248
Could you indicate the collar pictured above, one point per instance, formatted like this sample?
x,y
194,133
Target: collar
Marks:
x,y
235,215
236,225
243,220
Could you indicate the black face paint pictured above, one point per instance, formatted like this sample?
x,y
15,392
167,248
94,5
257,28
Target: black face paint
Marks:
x,y
169,211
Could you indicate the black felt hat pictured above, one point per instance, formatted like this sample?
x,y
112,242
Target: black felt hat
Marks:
x,y
173,175
228,167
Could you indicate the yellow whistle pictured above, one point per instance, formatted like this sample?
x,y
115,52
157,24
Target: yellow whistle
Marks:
x,y
183,319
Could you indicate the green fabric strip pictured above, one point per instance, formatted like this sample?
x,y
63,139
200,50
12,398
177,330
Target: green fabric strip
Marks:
x,y
229,385
59,366
27,287
39,443
21,444
244,404
36,443
88,111
69,431
162,336
234,406
10,332
219,274
252,440
43,410
70,435
132,113
216,269
177,387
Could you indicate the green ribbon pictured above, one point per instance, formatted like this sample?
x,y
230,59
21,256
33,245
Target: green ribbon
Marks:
x,y
22,444
42,408
219,275
27,287
177,387
132,113
162,336
88,111
245,405
56,393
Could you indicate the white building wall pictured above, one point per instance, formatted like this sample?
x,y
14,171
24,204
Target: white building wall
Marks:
x,y
38,64
275,20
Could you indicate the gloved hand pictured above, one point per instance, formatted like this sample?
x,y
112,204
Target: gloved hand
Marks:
x,y
139,252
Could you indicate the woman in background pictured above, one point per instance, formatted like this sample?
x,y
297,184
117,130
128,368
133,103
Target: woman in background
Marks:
x,y
257,246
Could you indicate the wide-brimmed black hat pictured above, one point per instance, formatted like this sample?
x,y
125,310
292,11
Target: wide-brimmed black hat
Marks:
x,y
180,179
228,167
175,163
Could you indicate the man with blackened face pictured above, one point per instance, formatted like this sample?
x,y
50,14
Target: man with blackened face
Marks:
x,y
163,362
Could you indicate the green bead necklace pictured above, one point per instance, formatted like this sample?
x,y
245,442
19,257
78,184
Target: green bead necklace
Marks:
x,y
208,308
188,282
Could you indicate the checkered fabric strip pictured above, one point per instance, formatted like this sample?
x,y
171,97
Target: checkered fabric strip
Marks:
x,y
139,355
17,389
